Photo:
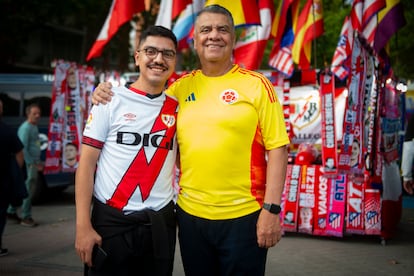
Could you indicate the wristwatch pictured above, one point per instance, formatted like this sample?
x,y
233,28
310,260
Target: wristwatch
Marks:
x,y
272,208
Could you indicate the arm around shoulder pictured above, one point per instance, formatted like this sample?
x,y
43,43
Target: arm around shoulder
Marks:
x,y
102,93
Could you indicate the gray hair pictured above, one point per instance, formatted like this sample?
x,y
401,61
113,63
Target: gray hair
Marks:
x,y
218,9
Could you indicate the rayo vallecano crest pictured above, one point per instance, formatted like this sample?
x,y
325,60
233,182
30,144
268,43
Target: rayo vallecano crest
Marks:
x,y
168,120
304,111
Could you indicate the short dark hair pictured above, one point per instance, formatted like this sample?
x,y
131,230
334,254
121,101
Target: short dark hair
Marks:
x,y
30,106
158,31
217,9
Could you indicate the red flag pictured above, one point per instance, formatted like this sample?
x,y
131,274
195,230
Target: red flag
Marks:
x,y
370,18
310,26
371,8
390,20
178,6
356,14
250,47
364,18
283,62
283,30
121,11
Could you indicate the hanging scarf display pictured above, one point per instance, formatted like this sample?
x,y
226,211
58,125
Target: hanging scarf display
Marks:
x,y
337,203
372,207
329,144
309,178
355,208
56,120
290,203
322,197
351,155
370,114
71,101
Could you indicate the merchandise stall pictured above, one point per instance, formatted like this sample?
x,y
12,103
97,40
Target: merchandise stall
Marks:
x,y
343,176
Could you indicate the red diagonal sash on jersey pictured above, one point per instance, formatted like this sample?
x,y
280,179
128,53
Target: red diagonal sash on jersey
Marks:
x,y
144,174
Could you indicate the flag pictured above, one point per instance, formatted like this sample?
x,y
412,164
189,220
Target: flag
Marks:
x,y
121,11
283,62
185,21
250,46
390,20
371,8
309,27
245,12
164,17
283,27
370,19
178,6
281,18
169,10
343,51
356,14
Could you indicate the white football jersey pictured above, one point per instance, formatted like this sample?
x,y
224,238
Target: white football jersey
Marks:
x,y
136,134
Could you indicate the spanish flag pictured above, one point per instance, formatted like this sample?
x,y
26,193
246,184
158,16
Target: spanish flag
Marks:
x,y
309,27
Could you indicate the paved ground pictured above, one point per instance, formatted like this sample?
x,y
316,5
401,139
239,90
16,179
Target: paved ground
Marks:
x,y
48,249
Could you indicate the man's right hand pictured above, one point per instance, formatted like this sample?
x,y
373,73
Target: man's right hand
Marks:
x,y
409,186
102,93
85,239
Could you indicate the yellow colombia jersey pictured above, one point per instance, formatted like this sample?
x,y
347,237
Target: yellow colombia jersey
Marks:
x,y
224,126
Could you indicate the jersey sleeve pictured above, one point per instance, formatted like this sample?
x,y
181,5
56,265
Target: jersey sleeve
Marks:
x,y
97,125
271,119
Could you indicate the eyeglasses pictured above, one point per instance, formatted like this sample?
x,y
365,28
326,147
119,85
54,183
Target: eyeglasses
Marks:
x,y
152,52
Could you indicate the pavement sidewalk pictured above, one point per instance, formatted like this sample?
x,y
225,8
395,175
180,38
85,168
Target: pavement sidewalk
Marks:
x,y
48,249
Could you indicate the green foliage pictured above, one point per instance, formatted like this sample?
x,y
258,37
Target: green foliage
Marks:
x,y
402,45
334,14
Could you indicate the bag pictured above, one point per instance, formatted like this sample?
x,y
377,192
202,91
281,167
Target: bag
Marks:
x,y
18,190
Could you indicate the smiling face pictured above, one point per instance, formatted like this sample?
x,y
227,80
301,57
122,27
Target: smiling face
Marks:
x,y
214,38
155,71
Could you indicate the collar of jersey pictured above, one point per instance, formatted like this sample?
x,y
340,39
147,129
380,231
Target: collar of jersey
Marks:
x,y
133,89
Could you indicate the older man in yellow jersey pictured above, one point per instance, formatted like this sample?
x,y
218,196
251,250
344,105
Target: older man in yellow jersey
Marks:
x,y
233,156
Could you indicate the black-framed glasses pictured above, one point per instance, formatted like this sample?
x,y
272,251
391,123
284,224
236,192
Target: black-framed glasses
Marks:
x,y
152,52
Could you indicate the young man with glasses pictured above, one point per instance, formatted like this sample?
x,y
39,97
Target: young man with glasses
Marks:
x,y
131,145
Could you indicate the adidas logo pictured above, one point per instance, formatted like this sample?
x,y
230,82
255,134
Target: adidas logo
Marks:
x,y
191,97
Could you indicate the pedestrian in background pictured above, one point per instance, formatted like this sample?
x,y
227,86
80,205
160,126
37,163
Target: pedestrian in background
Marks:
x,y
11,147
131,146
28,133
233,156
